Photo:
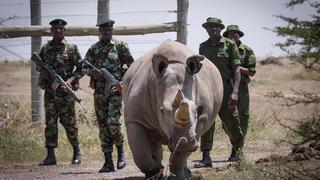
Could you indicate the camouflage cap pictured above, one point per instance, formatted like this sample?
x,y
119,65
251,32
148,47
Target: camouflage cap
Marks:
x,y
213,20
105,22
233,28
58,22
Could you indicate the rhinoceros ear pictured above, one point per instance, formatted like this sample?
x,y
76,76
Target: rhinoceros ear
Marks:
x,y
193,64
159,64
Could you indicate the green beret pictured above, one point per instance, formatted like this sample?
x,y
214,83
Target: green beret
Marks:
x,y
105,22
233,28
58,22
213,21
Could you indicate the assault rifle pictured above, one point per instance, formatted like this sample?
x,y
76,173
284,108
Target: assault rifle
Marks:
x,y
106,75
57,80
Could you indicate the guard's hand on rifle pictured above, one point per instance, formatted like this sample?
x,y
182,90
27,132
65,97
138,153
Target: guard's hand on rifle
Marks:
x,y
119,87
69,83
96,74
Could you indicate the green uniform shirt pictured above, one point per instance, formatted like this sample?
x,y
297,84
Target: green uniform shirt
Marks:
x,y
224,55
63,58
248,60
113,55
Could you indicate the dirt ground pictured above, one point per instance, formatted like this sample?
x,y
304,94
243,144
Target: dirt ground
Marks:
x,y
15,82
89,170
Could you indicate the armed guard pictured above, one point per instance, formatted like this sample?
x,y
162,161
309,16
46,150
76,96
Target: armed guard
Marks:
x,y
115,57
224,53
247,69
64,58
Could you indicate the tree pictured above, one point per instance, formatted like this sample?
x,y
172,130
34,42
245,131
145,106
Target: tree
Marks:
x,y
303,36
302,44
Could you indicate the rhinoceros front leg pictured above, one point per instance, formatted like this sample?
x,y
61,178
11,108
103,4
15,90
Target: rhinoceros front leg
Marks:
x,y
202,125
146,154
178,165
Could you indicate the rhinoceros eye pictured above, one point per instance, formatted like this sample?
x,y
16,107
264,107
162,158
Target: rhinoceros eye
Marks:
x,y
161,110
199,110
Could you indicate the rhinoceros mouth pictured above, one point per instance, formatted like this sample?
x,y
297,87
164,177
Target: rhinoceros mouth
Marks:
x,y
183,144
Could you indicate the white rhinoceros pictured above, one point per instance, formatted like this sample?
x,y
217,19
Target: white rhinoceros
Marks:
x,y
170,95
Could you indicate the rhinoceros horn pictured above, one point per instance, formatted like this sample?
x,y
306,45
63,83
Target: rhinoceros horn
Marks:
x,y
177,100
182,115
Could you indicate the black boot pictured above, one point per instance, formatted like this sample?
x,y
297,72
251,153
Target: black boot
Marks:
x,y
205,161
121,157
235,154
108,165
76,155
50,159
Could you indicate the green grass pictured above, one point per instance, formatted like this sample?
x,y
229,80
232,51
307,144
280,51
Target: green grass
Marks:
x,y
19,146
27,144
23,142
292,170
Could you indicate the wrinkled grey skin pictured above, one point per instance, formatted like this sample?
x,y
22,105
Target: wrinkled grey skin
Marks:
x,y
169,93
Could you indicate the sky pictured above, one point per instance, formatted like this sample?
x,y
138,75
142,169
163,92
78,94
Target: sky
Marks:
x,y
252,16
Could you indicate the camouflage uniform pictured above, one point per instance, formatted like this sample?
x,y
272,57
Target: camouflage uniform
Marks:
x,y
248,60
224,55
116,58
63,58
